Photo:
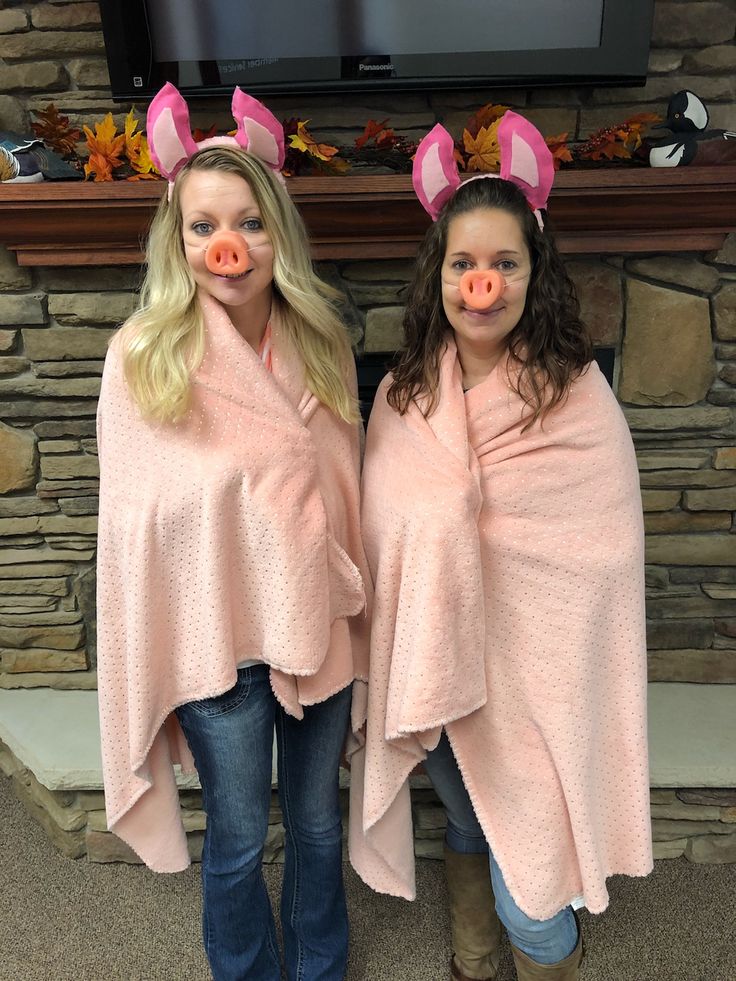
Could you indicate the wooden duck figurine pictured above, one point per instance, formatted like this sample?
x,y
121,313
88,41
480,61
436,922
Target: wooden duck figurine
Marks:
x,y
691,140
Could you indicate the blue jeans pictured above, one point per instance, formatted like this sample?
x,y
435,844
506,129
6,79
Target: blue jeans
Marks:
x,y
231,739
545,941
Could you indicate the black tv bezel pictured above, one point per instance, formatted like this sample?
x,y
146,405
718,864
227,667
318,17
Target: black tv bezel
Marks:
x,y
621,59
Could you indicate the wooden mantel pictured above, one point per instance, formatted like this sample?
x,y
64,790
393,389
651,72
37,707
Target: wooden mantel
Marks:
x,y
371,216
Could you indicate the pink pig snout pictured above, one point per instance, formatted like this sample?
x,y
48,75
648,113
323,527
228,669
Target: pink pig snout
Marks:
x,y
227,254
481,288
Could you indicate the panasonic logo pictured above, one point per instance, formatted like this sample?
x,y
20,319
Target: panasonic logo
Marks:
x,y
376,68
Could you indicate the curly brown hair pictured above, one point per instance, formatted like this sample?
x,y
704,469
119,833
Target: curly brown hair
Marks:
x,y
550,345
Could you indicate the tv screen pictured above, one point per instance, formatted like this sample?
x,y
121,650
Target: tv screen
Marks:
x,y
208,46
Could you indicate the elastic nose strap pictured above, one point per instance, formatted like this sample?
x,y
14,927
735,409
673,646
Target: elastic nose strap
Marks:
x,y
248,248
508,286
517,282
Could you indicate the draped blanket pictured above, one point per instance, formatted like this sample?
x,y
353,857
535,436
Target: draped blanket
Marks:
x,y
508,608
231,535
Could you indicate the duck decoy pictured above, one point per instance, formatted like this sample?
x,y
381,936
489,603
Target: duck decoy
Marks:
x,y
691,140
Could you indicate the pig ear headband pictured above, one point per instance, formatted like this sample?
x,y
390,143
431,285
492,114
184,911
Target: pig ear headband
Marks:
x,y
526,161
170,138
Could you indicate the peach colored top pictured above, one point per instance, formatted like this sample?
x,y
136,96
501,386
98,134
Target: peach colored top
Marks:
x,y
265,348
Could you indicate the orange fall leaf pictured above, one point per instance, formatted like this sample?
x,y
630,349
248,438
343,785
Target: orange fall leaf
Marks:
x,y
199,134
105,147
559,149
100,166
371,131
644,119
386,137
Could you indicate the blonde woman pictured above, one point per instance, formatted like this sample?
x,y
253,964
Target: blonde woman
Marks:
x,y
230,563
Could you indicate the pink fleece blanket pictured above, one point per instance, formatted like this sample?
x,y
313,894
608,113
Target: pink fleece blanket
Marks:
x,y
231,535
509,608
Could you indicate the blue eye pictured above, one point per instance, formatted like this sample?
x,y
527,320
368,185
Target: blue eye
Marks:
x,y
202,227
507,265
253,224
461,265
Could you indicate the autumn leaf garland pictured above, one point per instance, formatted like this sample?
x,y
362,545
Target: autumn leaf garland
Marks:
x,y
106,149
479,149
617,142
305,155
116,156
376,132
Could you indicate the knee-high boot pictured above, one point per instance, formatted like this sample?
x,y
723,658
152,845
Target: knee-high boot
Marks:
x,y
476,929
567,970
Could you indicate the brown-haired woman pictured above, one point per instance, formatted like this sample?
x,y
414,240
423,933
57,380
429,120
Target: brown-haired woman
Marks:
x,y
502,524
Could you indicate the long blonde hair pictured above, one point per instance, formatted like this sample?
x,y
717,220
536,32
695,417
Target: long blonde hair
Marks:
x,y
164,340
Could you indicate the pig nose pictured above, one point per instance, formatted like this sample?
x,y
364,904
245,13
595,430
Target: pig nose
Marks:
x,y
227,254
481,288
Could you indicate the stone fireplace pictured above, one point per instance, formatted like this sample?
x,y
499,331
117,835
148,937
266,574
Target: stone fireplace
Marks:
x,y
68,278
653,256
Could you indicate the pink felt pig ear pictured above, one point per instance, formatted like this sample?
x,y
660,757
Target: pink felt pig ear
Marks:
x,y
259,131
168,131
435,175
526,159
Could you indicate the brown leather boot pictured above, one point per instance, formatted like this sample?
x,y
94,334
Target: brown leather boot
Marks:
x,y
567,970
476,929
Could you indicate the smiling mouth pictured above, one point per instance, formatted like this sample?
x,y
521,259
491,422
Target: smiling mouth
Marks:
x,y
233,275
482,313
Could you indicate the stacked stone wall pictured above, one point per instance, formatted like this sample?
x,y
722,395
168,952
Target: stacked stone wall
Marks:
x,y
670,319
54,328
697,824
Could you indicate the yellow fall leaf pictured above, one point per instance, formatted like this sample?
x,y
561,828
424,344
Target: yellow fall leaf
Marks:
x,y
304,141
142,164
132,139
485,154
145,164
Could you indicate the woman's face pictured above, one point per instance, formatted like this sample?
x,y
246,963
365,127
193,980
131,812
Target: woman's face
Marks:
x,y
212,201
487,238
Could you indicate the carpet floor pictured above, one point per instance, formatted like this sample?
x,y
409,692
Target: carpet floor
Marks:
x,y
66,920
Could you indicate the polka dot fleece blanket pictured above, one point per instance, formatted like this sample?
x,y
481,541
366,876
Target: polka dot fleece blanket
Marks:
x,y
231,535
509,608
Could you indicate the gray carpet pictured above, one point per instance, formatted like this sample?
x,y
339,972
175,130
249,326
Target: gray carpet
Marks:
x,y
62,920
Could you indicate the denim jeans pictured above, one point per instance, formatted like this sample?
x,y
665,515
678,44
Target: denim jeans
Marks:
x,y
545,941
231,739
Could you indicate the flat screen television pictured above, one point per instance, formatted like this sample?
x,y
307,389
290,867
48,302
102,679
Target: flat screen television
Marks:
x,y
206,47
